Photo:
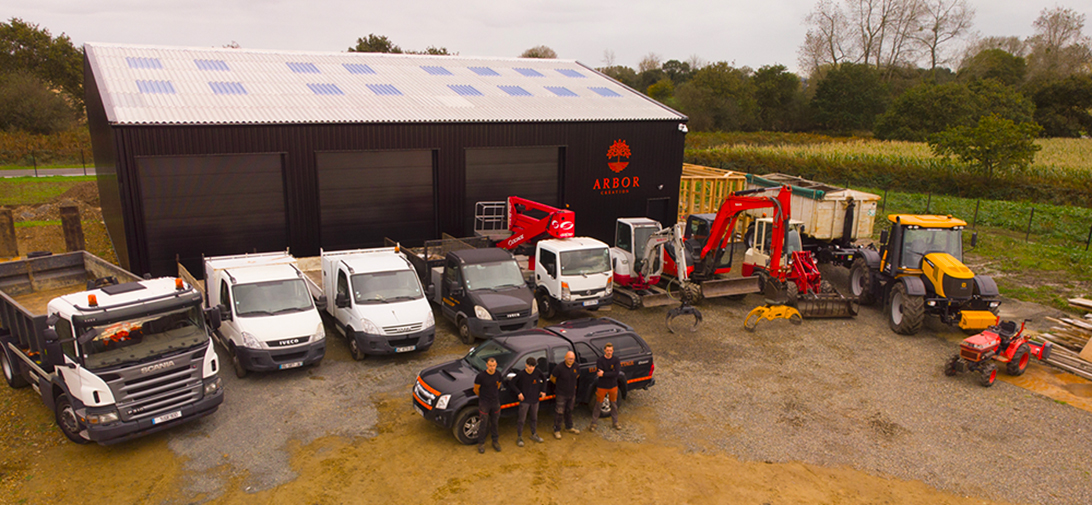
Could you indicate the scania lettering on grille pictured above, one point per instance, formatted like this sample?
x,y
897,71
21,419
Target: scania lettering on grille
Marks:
x,y
157,366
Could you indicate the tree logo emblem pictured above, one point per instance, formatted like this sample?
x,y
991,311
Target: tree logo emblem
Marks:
x,y
618,150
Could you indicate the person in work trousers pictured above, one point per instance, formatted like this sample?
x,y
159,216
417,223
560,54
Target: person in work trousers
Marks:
x,y
487,386
564,377
529,385
607,368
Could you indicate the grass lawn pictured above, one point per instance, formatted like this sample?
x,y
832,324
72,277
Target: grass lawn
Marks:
x,y
35,190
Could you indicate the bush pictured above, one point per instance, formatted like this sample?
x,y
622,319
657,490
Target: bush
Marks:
x,y
27,104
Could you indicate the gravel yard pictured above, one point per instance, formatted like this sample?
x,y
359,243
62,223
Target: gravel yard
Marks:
x,y
829,411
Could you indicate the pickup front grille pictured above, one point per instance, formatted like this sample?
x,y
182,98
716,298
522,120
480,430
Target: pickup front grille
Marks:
x,y
150,389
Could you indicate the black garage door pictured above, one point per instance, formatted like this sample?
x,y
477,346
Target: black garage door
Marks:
x,y
496,174
211,205
366,196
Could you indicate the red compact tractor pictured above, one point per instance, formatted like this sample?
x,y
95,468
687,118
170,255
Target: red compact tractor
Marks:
x,y
1002,343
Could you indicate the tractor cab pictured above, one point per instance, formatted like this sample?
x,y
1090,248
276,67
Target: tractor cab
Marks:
x,y
913,237
759,241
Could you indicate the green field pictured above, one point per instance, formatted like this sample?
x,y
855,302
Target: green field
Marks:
x,y
35,190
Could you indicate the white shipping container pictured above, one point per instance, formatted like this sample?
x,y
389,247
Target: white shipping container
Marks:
x,y
821,207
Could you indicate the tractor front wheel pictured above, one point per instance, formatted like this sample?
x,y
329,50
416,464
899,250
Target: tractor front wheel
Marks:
x,y
989,375
1019,362
906,312
952,367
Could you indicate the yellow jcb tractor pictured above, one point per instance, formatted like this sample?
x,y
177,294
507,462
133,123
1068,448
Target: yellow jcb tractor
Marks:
x,y
919,270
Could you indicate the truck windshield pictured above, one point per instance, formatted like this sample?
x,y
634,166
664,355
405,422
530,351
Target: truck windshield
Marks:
x,y
587,261
271,298
917,242
386,287
498,275
146,337
490,349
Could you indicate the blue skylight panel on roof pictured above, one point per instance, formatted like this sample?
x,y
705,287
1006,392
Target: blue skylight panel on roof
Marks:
x,y
358,68
568,72
434,70
152,63
560,91
212,65
227,88
303,68
607,92
465,90
325,89
384,89
528,72
484,71
156,87
514,90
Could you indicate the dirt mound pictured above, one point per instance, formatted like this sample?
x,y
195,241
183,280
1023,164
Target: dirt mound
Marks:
x,y
86,192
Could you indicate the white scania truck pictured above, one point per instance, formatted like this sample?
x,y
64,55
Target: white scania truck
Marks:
x,y
270,321
114,356
377,302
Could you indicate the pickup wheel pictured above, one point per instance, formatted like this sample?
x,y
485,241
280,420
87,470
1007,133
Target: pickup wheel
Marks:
x,y
464,331
1019,362
546,306
11,374
861,282
67,421
354,348
467,423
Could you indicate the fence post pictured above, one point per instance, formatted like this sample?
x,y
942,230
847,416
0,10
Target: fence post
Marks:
x,y
1030,217
883,204
83,161
35,161
975,225
1089,241
928,202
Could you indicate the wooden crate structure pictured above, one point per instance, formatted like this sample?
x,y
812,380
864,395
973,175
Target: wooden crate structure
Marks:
x,y
702,189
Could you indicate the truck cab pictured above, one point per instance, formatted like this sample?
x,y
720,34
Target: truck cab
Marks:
x,y
483,292
572,273
378,302
270,321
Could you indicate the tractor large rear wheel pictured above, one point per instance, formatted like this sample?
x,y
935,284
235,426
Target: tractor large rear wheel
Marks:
x,y
1019,362
860,282
906,312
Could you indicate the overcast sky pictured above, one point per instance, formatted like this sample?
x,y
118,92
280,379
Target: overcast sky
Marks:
x,y
744,32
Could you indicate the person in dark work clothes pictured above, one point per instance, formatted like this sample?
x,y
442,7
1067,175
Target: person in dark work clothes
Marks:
x,y
607,368
529,386
487,386
564,377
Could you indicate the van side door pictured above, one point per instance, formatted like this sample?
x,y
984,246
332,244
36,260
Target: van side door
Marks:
x,y
342,290
229,329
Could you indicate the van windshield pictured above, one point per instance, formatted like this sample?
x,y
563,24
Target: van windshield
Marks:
x,y
271,298
490,349
141,338
386,287
587,261
497,275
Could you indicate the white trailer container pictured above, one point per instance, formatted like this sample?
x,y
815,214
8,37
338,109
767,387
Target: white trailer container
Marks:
x,y
822,208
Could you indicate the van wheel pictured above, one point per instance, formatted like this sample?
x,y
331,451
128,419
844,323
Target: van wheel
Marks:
x,y
464,331
467,423
240,371
11,374
66,419
355,350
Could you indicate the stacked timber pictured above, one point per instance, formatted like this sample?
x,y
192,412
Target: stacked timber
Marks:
x,y
1070,336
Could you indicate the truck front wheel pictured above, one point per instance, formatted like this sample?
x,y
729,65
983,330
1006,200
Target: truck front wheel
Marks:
x,y
354,348
11,374
464,331
67,420
237,363
546,306
467,423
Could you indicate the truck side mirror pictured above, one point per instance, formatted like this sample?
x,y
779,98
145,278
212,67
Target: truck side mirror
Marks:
x,y
883,237
53,353
974,239
320,303
341,300
225,312
430,291
456,292
214,316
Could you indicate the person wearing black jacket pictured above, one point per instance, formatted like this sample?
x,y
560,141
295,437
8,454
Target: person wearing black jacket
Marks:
x,y
564,376
529,387
487,387
607,368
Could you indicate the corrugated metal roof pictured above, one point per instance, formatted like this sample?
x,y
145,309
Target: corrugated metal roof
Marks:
x,y
175,85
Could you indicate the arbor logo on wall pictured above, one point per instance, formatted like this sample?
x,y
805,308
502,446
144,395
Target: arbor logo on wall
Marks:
x,y
617,185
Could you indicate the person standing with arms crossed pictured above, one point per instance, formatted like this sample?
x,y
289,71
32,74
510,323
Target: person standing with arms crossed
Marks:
x,y
487,387
528,384
607,368
564,376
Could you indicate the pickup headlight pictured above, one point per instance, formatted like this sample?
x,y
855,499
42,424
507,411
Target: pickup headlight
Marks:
x,y
481,313
566,295
102,418
430,320
367,326
250,341
610,284
320,332
442,402
212,387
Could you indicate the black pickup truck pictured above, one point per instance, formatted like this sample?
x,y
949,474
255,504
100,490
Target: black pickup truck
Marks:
x,y
444,394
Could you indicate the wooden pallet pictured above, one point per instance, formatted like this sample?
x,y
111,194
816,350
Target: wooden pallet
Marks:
x,y
702,189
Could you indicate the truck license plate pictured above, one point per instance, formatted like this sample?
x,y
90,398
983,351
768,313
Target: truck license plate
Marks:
x,y
294,364
419,410
405,349
589,303
167,417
